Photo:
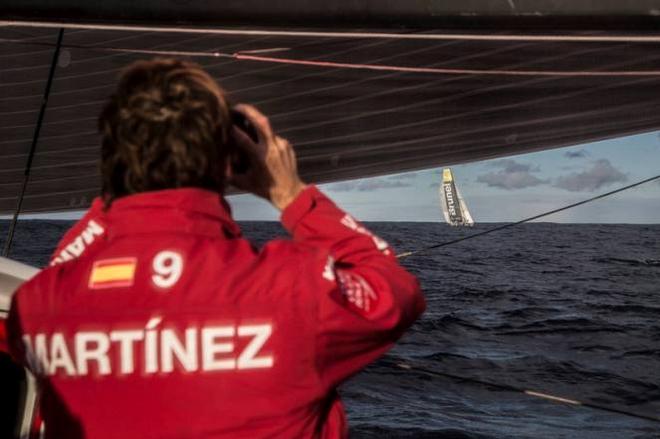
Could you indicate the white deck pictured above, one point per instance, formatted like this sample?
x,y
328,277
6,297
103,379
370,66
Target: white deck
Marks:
x,y
12,274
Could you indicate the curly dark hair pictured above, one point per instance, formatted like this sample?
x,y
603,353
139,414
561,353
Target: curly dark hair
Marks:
x,y
166,126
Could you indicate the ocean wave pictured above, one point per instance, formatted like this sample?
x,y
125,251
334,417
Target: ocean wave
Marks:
x,y
541,306
632,262
379,432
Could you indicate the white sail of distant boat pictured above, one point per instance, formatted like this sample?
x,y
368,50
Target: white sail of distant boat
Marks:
x,y
453,205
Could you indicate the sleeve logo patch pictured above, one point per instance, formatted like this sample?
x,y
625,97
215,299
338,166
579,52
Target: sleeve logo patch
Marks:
x,y
112,273
361,297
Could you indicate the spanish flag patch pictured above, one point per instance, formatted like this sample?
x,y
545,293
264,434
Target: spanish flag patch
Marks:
x,y
112,273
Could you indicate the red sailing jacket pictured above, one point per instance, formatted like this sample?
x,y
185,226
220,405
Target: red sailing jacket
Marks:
x,y
163,322
93,223
3,337
88,231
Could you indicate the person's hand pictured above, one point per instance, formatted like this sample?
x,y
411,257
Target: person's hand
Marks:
x,y
272,172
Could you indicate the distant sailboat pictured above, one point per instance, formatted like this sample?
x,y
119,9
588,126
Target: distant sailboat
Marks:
x,y
453,206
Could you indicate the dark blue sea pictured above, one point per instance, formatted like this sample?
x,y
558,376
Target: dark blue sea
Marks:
x,y
566,309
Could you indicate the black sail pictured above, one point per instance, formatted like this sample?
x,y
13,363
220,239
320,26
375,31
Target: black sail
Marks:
x,y
347,119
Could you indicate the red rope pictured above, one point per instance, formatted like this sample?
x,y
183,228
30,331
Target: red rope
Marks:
x,y
432,70
248,56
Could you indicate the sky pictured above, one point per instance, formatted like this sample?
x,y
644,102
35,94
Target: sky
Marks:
x,y
510,188
503,190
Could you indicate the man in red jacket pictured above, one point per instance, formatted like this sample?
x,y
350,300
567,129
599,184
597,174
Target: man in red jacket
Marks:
x,y
157,319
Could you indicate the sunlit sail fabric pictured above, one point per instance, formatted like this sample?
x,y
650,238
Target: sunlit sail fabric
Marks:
x,y
453,205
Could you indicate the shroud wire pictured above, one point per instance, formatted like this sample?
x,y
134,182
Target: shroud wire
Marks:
x,y
531,218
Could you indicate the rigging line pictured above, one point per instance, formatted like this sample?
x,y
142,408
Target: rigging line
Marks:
x,y
50,194
387,75
415,144
455,96
86,177
315,74
208,67
531,218
447,71
33,146
505,49
96,58
246,56
101,48
32,36
533,393
318,34
119,49
78,46
57,136
53,152
78,90
353,48
57,165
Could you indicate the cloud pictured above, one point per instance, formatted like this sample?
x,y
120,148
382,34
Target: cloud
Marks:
x,y
370,185
510,165
600,174
512,175
577,154
406,176
367,185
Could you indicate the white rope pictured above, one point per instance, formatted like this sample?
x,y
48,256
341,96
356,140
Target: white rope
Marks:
x,y
318,34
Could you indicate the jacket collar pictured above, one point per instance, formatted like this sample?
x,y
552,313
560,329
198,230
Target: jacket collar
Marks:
x,y
186,210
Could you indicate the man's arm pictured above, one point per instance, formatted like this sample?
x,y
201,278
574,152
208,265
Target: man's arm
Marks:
x,y
366,300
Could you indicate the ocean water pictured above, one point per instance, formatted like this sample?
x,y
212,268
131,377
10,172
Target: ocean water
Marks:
x,y
570,310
